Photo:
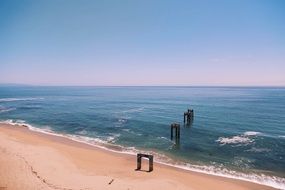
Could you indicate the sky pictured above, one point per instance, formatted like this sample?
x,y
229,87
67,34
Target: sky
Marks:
x,y
148,42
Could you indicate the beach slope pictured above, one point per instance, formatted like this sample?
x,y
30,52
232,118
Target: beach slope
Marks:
x,y
32,160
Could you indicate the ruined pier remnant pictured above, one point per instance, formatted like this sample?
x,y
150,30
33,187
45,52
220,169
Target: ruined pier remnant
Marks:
x,y
177,131
188,116
139,161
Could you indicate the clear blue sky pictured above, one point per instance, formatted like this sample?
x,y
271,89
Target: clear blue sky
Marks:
x,y
160,42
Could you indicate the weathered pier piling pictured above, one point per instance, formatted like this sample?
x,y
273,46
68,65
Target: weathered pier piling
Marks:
x,y
177,131
139,161
188,116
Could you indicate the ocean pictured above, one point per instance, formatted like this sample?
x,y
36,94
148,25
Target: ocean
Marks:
x,y
237,132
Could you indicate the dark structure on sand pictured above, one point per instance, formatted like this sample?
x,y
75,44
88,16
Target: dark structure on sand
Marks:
x,y
139,161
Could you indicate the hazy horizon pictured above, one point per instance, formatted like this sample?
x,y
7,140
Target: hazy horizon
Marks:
x,y
148,43
190,86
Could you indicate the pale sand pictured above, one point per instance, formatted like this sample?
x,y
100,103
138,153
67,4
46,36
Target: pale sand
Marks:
x,y
31,160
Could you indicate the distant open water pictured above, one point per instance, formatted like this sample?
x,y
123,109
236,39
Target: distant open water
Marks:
x,y
237,132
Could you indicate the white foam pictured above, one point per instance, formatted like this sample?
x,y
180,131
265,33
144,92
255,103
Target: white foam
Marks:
x,y
18,99
126,130
7,110
113,137
84,139
234,140
244,139
46,129
122,120
252,133
133,110
11,122
132,132
163,138
166,139
241,162
82,132
258,150
97,142
272,181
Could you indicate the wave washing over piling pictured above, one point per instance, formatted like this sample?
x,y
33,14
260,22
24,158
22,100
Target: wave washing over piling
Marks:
x,y
272,181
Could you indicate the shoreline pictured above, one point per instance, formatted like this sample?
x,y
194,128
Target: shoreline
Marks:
x,y
266,180
169,177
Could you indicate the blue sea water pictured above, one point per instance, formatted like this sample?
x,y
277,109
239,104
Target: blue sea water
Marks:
x,y
237,132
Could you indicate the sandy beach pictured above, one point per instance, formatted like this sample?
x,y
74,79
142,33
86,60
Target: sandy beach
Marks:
x,y
32,160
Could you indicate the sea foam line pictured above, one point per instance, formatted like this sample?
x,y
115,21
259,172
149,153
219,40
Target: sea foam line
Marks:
x,y
133,110
18,99
272,181
3,110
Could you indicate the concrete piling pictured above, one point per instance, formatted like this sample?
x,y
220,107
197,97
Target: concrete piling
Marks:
x,y
177,131
139,161
188,116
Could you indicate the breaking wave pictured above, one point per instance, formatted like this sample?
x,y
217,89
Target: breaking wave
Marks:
x,y
234,140
18,99
133,110
252,133
244,139
3,110
272,181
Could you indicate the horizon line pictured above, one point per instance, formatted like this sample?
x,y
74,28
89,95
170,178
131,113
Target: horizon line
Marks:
x,y
193,85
